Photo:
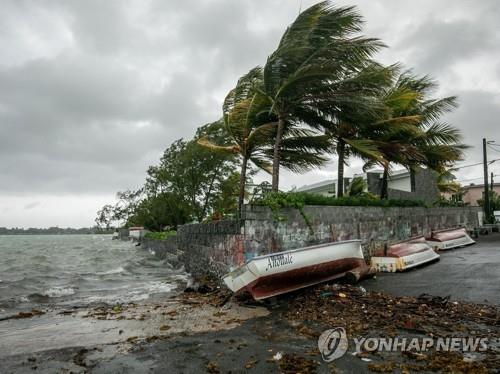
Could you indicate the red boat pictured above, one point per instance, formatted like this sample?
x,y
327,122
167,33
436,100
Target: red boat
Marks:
x,y
450,238
278,273
404,255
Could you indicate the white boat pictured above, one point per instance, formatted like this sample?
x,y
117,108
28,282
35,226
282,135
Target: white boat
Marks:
x,y
278,273
449,238
404,255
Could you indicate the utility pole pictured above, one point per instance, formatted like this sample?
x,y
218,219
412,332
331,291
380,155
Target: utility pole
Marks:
x,y
491,184
486,192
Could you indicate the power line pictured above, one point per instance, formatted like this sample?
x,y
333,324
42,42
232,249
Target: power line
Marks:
x,y
471,179
493,149
479,163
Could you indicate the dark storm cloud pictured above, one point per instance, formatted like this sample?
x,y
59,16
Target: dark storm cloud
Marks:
x,y
438,44
91,92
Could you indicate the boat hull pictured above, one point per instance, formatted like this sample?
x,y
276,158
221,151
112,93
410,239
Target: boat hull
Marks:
x,y
448,239
404,256
283,272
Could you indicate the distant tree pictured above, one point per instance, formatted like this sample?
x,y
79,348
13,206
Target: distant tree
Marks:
x,y
193,173
494,201
186,185
121,211
160,211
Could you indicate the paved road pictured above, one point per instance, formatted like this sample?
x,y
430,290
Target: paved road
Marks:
x,y
470,273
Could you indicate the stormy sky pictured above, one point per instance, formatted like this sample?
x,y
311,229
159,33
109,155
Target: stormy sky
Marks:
x,y
92,92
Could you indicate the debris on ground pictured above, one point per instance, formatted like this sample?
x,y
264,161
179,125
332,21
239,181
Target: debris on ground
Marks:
x,y
376,314
213,368
361,312
293,363
20,315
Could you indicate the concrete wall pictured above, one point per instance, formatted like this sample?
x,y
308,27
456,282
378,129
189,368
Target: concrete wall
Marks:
x,y
211,248
373,225
215,248
401,183
162,249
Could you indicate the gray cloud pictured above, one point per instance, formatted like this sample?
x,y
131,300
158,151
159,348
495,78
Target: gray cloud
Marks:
x,y
32,205
92,92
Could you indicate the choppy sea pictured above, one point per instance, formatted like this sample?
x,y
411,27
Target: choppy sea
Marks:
x,y
79,270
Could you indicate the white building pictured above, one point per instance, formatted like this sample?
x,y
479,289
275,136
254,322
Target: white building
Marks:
x,y
401,185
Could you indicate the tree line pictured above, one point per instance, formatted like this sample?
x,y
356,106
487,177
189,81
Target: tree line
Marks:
x,y
52,231
319,93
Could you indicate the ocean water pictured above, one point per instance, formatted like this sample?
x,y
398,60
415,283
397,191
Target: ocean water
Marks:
x,y
79,270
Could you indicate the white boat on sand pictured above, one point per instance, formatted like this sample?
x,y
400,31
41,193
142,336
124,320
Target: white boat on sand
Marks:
x,y
278,273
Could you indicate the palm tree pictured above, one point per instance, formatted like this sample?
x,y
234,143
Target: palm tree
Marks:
x,y
309,66
409,134
350,117
251,126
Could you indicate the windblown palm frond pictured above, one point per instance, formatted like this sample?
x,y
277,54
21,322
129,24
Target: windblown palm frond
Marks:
x,y
308,71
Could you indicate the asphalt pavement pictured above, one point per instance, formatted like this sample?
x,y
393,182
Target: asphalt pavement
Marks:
x,y
469,273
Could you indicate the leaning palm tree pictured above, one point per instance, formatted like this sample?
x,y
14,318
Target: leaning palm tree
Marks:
x,y
309,66
350,118
251,126
409,133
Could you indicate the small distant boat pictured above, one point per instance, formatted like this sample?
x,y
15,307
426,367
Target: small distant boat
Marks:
x,y
449,238
282,272
115,236
404,255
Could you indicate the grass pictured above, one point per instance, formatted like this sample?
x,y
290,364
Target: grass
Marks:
x,y
161,235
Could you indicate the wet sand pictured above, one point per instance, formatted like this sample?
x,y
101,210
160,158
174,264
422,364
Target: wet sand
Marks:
x,y
198,339
196,333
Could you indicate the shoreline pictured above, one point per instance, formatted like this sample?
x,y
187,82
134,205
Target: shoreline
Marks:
x,y
211,330
207,332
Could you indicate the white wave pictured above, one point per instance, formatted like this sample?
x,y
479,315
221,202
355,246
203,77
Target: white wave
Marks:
x,y
59,292
118,270
148,290
159,287
138,293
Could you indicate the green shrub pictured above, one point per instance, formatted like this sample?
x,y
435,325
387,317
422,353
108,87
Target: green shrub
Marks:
x,y
278,200
161,235
300,199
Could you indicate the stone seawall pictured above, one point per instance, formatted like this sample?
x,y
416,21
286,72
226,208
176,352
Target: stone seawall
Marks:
x,y
373,225
217,247
161,248
211,249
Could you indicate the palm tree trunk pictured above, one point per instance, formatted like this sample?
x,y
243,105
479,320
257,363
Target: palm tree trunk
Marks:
x,y
276,155
340,171
412,180
243,177
383,190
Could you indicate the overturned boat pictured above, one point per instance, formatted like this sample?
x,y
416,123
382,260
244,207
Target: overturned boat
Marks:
x,y
450,238
404,255
281,272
